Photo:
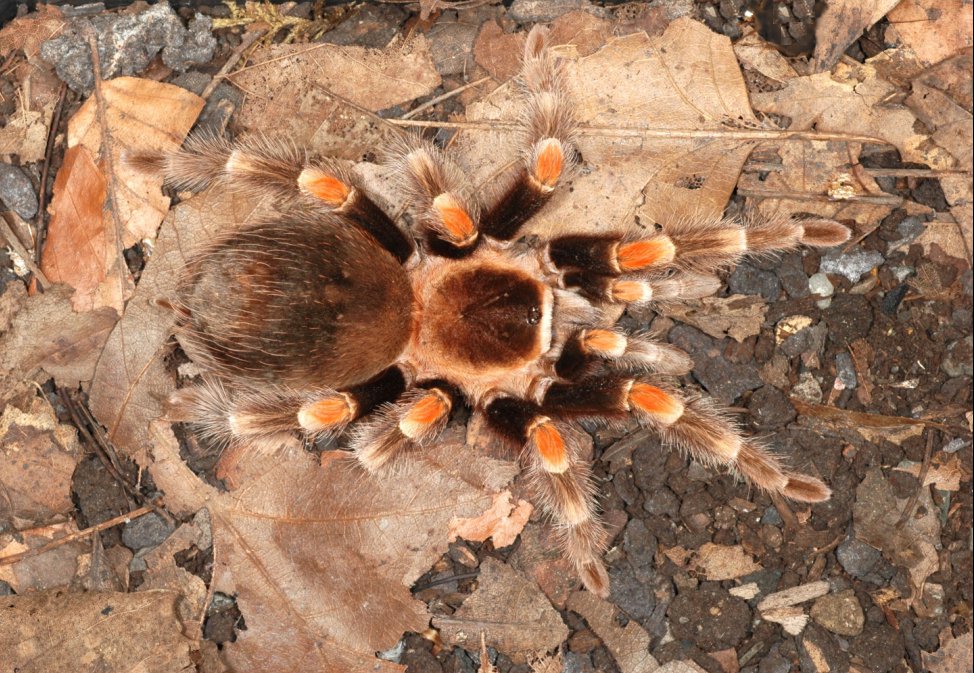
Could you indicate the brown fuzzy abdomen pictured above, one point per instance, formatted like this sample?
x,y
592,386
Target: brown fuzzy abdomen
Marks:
x,y
303,302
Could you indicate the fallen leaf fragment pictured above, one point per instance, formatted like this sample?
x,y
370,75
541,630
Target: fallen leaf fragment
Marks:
x,y
946,471
28,32
511,612
504,521
59,631
37,460
794,596
954,655
139,114
51,569
842,23
933,29
628,644
737,316
321,556
793,620
724,562
25,133
48,335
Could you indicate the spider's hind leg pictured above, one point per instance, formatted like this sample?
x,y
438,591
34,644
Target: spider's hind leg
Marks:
x,y
548,138
277,169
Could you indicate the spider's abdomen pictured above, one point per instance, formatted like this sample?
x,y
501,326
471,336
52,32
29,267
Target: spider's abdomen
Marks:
x,y
300,301
488,317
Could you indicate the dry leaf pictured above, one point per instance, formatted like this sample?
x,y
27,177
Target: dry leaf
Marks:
x,y
793,596
628,644
131,383
793,620
51,569
162,572
48,335
722,562
842,23
321,556
686,80
511,612
737,316
37,460
933,29
140,114
25,133
317,95
58,631
81,249
954,655
504,521
28,32
946,471
539,556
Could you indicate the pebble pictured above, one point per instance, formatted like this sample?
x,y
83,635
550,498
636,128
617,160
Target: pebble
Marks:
x,y
723,379
709,617
845,371
17,192
748,279
145,532
771,517
808,388
957,358
791,274
857,558
853,265
839,613
770,408
820,285
819,653
849,318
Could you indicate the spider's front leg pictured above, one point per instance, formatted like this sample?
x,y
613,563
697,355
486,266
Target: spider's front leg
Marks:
x,y
279,170
548,138
561,480
692,425
587,350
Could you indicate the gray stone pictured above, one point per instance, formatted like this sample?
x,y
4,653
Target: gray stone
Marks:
x,y
820,285
372,25
146,531
957,358
857,558
126,45
747,279
818,652
791,273
845,371
770,408
771,517
809,340
839,613
723,379
853,265
808,388
17,192
709,617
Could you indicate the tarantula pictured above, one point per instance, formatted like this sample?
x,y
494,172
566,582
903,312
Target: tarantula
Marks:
x,y
329,313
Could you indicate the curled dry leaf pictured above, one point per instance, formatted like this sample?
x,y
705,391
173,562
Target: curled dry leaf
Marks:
x,y
58,631
628,644
321,95
48,335
321,556
504,521
37,460
139,114
685,84
946,471
737,316
511,612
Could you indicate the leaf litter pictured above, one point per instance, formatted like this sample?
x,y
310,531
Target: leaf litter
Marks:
x,y
667,120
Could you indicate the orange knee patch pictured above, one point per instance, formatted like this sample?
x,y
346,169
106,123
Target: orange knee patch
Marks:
x,y
549,162
604,342
551,447
656,402
423,415
326,414
642,254
324,186
454,217
631,291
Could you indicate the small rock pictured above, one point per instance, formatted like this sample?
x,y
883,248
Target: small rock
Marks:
x,y
808,388
532,11
17,192
857,558
845,371
957,358
853,265
849,318
451,46
372,25
709,617
662,501
197,45
839,613
771,517
791,273
770,408
145,532
891,302
747,279
820,285
819,653
631,592
640,546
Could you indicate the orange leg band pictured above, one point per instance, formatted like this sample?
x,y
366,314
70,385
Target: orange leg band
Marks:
x,y
326,414
423,415
455,219
656,402
324,186
551,446
642,254
549,162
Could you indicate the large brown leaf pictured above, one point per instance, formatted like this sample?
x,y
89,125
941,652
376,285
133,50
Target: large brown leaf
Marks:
x,y
321,556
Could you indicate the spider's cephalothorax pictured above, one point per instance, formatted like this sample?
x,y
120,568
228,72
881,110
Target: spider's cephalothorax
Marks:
x,y
329,312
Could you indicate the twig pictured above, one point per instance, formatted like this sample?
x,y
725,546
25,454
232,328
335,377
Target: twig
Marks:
x,y
632,132
14,242
248,39
787,516
40,227
885,200
439,99
54,544
924,468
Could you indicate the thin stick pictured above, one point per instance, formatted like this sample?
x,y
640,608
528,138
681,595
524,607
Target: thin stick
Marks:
x,y
439,99
40,227
617,132
14,242
54,544
885,200
248,39
924,468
